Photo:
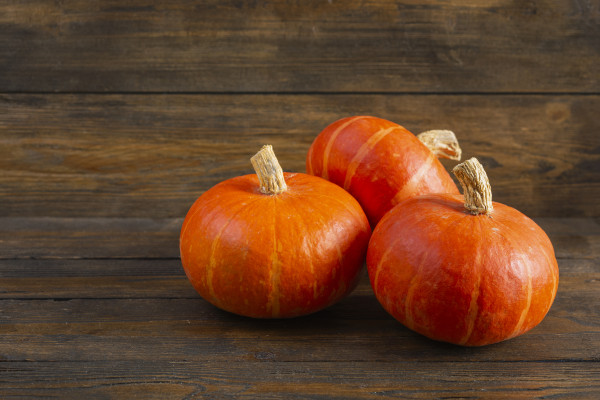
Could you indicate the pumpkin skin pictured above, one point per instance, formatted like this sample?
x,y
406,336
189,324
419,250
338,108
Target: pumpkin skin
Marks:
x,y
274,256
379,162
455,277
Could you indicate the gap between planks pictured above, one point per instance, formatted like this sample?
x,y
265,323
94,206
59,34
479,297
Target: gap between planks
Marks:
x,y
293,93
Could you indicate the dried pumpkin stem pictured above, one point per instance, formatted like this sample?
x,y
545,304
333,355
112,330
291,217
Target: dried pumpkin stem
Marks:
x,y
268,170
476,186
442,143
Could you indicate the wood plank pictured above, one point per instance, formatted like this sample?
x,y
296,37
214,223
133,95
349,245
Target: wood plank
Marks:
x,y
171,267
152,156
126,317
65,238
114,267
231,338
200,341
48,238
316,380
144,238
33,279
315,46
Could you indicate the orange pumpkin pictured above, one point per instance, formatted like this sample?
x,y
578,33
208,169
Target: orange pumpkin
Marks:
x,y
381,163
274,244
466,271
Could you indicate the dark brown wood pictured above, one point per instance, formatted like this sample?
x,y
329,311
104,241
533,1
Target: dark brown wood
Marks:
x,y
73,308
265,379
116,115
76,238
152,156
185,326
89,238
301,46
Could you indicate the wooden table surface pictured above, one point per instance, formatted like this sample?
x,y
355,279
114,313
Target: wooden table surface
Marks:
x,y
116,115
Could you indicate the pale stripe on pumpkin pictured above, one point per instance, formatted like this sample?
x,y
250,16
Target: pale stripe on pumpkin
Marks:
x,y
363,151
413,182
550,264
357,213
334,135
309,249
518,327
408,307
212,263
473,311
275,270
380,263
517,330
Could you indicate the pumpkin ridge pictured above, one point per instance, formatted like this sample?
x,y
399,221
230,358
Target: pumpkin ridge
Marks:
x,y
308,248
340,259
552,271
408,304
352,211
410,185
543,245
473,311
453,225
341,287
329,145
363,151
528,306
550,265
516,245
385,256
408,309
380,263
213,248
274,297
188,219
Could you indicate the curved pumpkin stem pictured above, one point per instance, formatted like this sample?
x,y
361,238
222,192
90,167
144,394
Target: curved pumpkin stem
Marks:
x,y
268,170
476,186
442,143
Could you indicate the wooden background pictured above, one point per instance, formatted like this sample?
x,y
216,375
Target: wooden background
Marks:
x,y
116,115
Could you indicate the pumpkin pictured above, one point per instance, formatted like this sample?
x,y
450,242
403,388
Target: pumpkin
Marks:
x,y
467,271
381,163
274,244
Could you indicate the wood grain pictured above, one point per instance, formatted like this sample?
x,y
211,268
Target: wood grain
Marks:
x,y
152,156
101,311
314,380
106,327
356,329
312,46
145,238
51,238
116,115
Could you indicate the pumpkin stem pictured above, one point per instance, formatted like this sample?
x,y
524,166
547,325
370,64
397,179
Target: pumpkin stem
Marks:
x,y
476,186
442,143
268,170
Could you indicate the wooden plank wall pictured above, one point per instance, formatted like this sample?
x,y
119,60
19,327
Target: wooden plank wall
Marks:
x,y
115,115
133,109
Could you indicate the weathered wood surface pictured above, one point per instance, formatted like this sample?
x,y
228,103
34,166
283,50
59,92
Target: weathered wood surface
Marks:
x,y
143,238
74,323
116,115
265,379
172,324
152,156
300,46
